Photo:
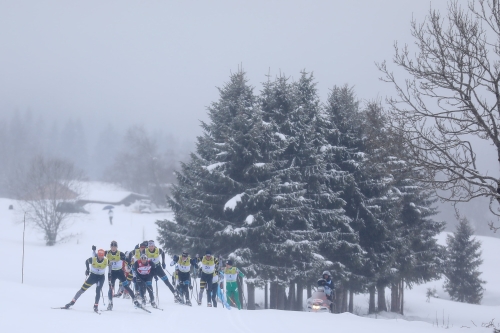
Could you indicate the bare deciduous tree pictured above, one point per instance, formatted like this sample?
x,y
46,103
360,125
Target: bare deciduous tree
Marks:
x,y
448,111
43,188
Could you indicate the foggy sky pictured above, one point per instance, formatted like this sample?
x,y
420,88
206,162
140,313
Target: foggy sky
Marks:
x,y
158,63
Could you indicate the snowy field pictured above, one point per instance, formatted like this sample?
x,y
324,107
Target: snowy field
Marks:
x,y
52,275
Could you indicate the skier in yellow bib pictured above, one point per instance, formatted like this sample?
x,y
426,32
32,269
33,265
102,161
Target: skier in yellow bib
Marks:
x,y
208,263
95,275
183,270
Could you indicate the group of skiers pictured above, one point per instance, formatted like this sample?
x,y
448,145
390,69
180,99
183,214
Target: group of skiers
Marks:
x,y
147,262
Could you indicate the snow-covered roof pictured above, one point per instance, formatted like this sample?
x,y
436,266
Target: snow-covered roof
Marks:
x,y
101,192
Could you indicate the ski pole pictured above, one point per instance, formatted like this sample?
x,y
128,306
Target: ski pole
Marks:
x,y
157,297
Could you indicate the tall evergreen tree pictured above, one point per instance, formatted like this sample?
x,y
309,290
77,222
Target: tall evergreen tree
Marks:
x,y
463,282
222,199
343,119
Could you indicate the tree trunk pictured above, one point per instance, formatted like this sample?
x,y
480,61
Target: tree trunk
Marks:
x,y
291,297
280,297
50,238
381,304
338,299
395,297
309,291
286,305
299,304
351,301
273,299
266,296
251,296
240,292
344,301
402,296
371,303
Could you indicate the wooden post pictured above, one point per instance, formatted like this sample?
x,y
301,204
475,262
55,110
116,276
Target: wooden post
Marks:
x,y
22,268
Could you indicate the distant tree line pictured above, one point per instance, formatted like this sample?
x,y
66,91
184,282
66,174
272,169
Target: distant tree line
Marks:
x,y
138,159
288,186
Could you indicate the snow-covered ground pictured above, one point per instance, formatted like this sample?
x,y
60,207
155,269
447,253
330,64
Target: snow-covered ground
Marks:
x,y
52,275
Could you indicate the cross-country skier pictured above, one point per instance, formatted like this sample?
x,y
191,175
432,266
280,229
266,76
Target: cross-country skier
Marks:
x,y
144,276
116,259
231,275
208,263
184,263
217,277
154,254
95,275
327,283
134,256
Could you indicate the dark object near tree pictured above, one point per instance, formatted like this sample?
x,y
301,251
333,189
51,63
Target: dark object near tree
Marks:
x,y
108,207
463,260
11,207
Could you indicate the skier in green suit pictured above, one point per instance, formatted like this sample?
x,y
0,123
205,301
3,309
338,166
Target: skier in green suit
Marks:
x,y
231,275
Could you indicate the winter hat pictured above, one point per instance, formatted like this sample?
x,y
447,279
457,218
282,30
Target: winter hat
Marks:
x,y
144,244
144,256
151,243
229,262
185,254
114,243
100,253
208,252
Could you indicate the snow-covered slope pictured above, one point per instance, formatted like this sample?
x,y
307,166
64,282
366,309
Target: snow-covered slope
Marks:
x,y
52,275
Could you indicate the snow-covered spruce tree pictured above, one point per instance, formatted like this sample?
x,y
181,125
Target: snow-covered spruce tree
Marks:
x,y
463,282
419,258
345,138
379,231
311,219
290,110
222,200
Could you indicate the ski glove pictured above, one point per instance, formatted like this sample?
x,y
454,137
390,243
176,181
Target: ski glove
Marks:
x,y
94,248
190,287
156,278
163,265
176,257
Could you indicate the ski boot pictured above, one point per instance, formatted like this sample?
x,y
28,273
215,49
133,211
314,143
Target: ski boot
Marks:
x,y
137,304
126,295
188,302
118,295
209,304
199,302
144,302
215,304
95,308
69,304
178,297
110,306
153,304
